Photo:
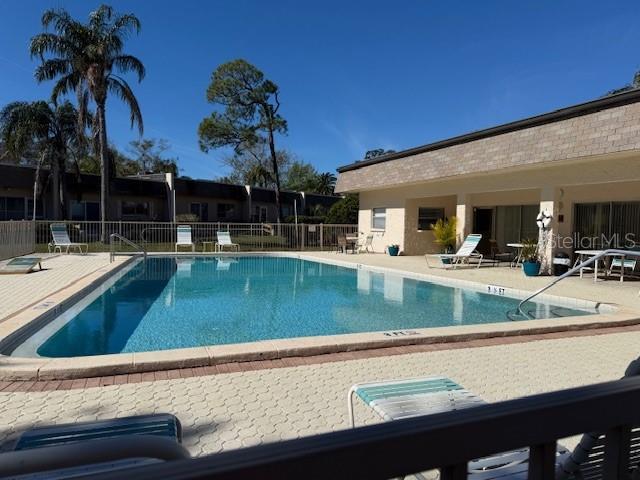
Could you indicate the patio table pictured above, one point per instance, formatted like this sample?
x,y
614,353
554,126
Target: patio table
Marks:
x,y
607,260
518,258
352,241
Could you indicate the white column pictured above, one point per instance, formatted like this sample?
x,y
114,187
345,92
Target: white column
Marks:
x,y
464,215
549,199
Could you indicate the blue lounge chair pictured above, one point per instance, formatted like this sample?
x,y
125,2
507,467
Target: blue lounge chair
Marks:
x,y
67,451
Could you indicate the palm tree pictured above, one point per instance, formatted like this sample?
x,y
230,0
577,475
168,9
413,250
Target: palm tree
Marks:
x,y
88,60
51,131
325,183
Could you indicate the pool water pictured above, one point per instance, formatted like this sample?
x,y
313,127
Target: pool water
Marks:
x,y
174,302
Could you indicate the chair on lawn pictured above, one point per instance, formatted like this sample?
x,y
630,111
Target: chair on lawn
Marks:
x,y
398,399
224,240
184,238
466,252
21,265
65,451
61,240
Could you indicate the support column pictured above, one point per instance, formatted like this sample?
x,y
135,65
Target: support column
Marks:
x,y
464,215
549,201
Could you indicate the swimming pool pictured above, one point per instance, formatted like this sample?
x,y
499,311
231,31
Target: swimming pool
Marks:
x,y
168,302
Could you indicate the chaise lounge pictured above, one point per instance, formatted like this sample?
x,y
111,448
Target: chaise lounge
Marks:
x,y
61,240
398,399
466,252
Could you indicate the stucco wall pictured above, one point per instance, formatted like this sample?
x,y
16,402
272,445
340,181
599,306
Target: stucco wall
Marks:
x,y
393,201
422,241
593,180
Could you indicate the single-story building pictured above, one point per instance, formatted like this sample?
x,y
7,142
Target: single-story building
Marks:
x,y
155,197
581,164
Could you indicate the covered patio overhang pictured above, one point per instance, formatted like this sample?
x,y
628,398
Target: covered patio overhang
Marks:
x,y
503,204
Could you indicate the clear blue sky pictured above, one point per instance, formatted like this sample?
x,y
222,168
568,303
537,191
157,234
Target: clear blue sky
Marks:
x,y
353,75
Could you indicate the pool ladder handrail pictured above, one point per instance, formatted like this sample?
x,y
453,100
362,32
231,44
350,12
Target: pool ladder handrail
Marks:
x,y
576,268
124,239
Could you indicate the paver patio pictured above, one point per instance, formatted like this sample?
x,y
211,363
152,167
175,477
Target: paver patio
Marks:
x,y
231,410
227,411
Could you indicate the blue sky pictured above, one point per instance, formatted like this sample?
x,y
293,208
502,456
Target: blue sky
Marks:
x,y
353,75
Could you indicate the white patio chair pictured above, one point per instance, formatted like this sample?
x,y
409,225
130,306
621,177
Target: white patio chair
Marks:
x,y
224,240
61,240
184,238
466,252
365,245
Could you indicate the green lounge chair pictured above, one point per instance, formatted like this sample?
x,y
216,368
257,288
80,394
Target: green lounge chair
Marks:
x,y
21,265
61,240
396,399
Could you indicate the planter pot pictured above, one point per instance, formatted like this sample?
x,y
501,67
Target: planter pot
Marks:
x,y
393,251
531,269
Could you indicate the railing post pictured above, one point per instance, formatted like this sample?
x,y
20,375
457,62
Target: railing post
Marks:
x,y
616,453
321,236
302,232
542,461
454,472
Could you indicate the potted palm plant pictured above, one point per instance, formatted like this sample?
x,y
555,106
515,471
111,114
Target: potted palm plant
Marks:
x,y
530,259
444,234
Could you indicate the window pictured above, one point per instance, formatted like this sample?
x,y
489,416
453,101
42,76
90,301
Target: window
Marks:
x,y
135,209
379,218
225,210
85,211
200,210
12,208
607,225
429,216
259,214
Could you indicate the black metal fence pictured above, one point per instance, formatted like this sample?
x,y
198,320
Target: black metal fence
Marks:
x,y
446,441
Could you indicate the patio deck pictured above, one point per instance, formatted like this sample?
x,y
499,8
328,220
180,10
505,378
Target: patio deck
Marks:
x,y
607,291
225,407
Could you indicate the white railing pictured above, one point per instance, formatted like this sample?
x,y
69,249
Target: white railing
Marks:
x,y
577,268
161,236
16,238
116,240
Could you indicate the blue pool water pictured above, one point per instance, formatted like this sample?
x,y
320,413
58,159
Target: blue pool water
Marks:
x,y
169,302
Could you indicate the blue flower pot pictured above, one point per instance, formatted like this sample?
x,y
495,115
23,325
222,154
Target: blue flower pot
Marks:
x,y
393,251
531,269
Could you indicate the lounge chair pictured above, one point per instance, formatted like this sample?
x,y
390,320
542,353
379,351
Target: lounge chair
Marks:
x,y
61,240
397,399
365,244
466,252
224,240
21,265
184,238
72,450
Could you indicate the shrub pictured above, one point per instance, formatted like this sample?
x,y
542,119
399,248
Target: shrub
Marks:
x,y
344,210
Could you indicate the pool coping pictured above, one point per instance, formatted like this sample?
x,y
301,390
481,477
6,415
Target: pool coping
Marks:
x,y
22,325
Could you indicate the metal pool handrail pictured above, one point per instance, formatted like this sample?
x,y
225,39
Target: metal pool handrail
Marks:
x,y
112,252
571,271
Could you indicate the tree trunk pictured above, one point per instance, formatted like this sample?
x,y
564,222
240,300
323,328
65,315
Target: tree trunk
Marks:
x,y
105,170
55,187
276,173
36,184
